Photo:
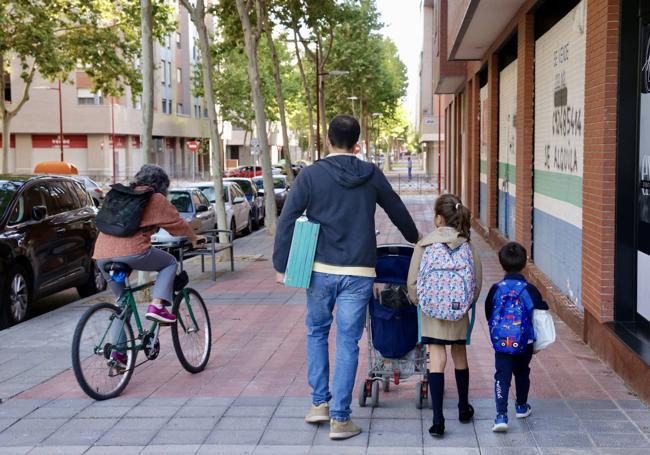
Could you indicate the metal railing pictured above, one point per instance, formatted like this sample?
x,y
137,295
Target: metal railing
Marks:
x,y
417,184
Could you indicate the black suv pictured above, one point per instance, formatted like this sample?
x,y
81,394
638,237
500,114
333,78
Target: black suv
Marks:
x,y
47,236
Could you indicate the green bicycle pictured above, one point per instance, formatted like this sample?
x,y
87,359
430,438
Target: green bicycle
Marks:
x,y
105,329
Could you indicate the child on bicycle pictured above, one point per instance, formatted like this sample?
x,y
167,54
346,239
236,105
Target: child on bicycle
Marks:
x,y
445,280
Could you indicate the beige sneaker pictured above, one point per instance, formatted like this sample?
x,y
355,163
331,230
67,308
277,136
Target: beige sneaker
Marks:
x,y
343,430
318,414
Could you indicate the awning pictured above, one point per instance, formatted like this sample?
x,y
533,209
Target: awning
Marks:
x,y
482,23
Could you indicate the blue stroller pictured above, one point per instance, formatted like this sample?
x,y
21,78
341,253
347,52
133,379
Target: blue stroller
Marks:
x,y
392,328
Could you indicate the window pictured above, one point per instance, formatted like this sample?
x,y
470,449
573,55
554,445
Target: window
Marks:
x,y
163,72
203,199
208,192
164,106
179,109
179,75
178,40
181,201
82,194
205,112
87,97
168,42
62,198
169,74
31,198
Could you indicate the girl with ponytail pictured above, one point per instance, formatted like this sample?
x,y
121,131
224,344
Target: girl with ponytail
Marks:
x,y
444,320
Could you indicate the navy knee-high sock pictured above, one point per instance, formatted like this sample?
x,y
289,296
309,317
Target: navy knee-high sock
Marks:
x,y
437,389
462,383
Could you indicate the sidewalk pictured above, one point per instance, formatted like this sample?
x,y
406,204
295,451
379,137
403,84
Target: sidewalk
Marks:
x,y
253,395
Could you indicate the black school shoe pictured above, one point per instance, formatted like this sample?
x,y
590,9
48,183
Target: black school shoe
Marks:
x,y
466,415
437,429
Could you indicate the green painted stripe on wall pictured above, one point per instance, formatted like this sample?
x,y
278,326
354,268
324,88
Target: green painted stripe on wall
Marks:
x,y
483,166
508,169
563,187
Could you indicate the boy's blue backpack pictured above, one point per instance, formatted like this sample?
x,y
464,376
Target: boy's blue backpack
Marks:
x,y
511,323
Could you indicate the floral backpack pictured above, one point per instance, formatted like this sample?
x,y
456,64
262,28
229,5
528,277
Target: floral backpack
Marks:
x,y
446,282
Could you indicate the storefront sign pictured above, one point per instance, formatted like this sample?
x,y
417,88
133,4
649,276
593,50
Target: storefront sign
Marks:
x,y
74,141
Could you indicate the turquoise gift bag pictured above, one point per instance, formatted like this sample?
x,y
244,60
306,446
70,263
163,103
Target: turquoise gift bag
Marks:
x,y
302,253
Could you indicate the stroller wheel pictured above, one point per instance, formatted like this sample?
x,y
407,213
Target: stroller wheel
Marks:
x,y
374,394
419,398
363,394
386,385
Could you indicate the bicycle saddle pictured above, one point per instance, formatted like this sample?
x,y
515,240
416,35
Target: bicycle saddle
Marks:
x,y
118,267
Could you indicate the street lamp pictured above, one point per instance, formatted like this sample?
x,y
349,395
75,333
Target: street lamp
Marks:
x,y
353,99
318,94
374,116
60,113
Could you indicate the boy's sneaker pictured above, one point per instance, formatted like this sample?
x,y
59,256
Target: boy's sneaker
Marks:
x,y
318,413
523,411
160,315
120,359
500,423
343,430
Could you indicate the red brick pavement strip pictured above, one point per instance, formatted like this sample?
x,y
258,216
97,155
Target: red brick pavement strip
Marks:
x,y
259,348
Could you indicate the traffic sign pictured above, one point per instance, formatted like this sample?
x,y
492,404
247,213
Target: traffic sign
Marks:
x,y
193,146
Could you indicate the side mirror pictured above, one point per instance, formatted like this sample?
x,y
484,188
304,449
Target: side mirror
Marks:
x,y
238,200
39,212
202,208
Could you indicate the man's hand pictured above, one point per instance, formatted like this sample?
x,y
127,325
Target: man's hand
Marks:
x,y
198,241
279,278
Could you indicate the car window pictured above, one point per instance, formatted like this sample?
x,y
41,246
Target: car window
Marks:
x,y
245,186
77,195
225,194
62,198
208,192
259,183
181,201
195,199
203,200
279,183
82,194
22,211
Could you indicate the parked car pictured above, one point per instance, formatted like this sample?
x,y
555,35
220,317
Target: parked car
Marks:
x,y
47,237
280,188
244,171
238,210
194,207
255,199
95,191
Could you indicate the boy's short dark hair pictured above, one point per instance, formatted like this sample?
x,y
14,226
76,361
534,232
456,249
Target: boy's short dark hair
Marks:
x,y
513,257
344,131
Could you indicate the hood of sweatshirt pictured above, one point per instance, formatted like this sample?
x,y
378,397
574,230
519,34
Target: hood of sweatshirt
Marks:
x,y
347,170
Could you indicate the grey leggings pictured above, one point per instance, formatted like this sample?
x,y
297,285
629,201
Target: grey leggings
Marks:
x,y
152,260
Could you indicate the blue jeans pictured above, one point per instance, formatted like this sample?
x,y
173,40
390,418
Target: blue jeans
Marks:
x,y
506,366
351,294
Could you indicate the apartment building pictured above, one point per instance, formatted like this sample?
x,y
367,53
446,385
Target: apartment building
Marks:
x,y
90,120
548,109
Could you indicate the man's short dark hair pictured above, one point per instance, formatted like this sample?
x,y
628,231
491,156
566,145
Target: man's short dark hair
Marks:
x,y
513,257
344,132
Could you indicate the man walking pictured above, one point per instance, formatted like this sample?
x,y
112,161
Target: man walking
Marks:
x,y
340,192
409,166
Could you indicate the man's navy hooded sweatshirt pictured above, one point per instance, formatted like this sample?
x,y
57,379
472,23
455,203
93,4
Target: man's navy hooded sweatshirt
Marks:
x,y
341,193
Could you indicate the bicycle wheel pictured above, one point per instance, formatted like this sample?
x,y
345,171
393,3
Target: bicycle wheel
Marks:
x,y
100,333
192,334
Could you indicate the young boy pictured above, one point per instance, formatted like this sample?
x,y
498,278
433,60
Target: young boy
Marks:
x,y
509,310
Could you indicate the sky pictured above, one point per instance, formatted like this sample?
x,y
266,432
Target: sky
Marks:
x,y
403,24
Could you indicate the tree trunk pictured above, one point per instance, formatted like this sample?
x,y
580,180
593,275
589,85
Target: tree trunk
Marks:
x,y
146,12
310,103
197,14
250,40
324,150
6,123
277,79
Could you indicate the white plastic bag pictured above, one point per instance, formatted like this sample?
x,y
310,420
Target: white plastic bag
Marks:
x,y
544,329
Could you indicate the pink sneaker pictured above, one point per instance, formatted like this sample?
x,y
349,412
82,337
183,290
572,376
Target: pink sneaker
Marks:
x,y
120,359
160,315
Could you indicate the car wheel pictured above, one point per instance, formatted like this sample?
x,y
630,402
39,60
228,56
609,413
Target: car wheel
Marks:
x,y
249,226
16,297
96,283
256,220
233,228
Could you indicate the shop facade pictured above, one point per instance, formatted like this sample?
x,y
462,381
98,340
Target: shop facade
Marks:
x,y
551,123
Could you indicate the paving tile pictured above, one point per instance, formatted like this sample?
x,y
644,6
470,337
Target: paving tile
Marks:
x,y
561,439
600,414
18,450
201,411
450,451
115,449
394,451
636,405
54,412
29,431
291,424
133,437
288,438
386,439
209,401
7,422
290,411
340,450
242,423
139,423
397,413
592,404
19,408
79,432
153,411
257,401
509,450
188,449
66,450
227,449
182,437
245,437
193,423
626,451
614,426
250,411
558,424
621,440
282,450
99,412
565,451
490,439
396,426
164,401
